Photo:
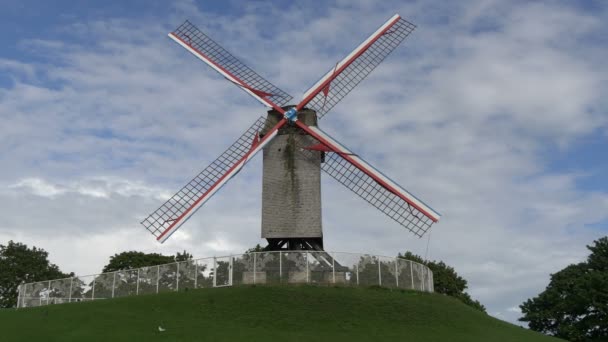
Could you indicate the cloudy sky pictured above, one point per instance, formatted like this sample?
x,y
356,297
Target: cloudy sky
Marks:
x,y
491,112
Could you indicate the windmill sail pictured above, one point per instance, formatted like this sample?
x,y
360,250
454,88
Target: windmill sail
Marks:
x,y
165,220
351,70
370,184
222,61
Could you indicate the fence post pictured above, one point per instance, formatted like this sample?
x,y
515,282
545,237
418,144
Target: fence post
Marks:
x,y
214,272
422,286
412,273
18,295
24,295
280,267
379,273
333,268
93,291
48,294
357,274
177,278
70,295
113,284
137,286
396,272
195,274
255,260
157,276
307,272
230,265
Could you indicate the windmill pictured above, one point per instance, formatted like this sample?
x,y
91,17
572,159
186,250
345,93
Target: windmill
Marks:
x,y
295,149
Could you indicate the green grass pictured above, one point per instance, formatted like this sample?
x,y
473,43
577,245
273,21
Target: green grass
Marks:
x,y
263,314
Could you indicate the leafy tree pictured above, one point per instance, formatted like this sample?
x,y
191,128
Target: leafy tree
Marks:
x,y
257,248
466,298
184,256
20,264
132,260
446,280
574,305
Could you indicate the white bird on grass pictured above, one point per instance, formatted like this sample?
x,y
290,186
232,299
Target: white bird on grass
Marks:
x,y
161,329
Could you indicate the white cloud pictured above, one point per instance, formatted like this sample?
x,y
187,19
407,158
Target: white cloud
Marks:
x,y
98,187
38,187
20,68
514,309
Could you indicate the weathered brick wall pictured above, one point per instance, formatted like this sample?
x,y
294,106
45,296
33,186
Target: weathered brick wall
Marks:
x,y
291,186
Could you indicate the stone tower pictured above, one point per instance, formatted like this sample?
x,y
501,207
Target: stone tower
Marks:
x,y
291,188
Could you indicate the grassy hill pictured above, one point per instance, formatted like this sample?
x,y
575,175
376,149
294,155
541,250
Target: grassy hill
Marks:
x,y
263,314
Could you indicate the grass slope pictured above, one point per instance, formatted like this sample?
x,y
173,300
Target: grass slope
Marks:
x,y
263,314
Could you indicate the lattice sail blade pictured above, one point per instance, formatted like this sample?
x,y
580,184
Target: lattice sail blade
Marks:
x,y
222,61
370,184
165,220
351,70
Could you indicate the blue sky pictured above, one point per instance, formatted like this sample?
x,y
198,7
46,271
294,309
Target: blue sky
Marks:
x,y
587,156
492,112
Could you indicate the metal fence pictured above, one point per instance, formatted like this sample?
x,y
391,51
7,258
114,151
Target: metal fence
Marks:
x,y
284,267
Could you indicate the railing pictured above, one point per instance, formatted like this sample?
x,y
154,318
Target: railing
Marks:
x,y
285,267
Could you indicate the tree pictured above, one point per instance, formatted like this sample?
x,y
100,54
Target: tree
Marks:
x,y
446,280
132,260
20,264
257,248
574,306
184,256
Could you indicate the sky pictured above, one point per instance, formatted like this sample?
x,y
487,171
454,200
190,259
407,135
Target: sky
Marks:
x,y
492,112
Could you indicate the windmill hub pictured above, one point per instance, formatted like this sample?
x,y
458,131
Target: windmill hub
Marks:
x,y
291,114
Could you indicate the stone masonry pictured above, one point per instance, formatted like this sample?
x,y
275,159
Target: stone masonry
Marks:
x,y
291,185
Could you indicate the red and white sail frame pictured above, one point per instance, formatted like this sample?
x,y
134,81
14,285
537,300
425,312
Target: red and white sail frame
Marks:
x,y
324,82
257,94
257,146
369,170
